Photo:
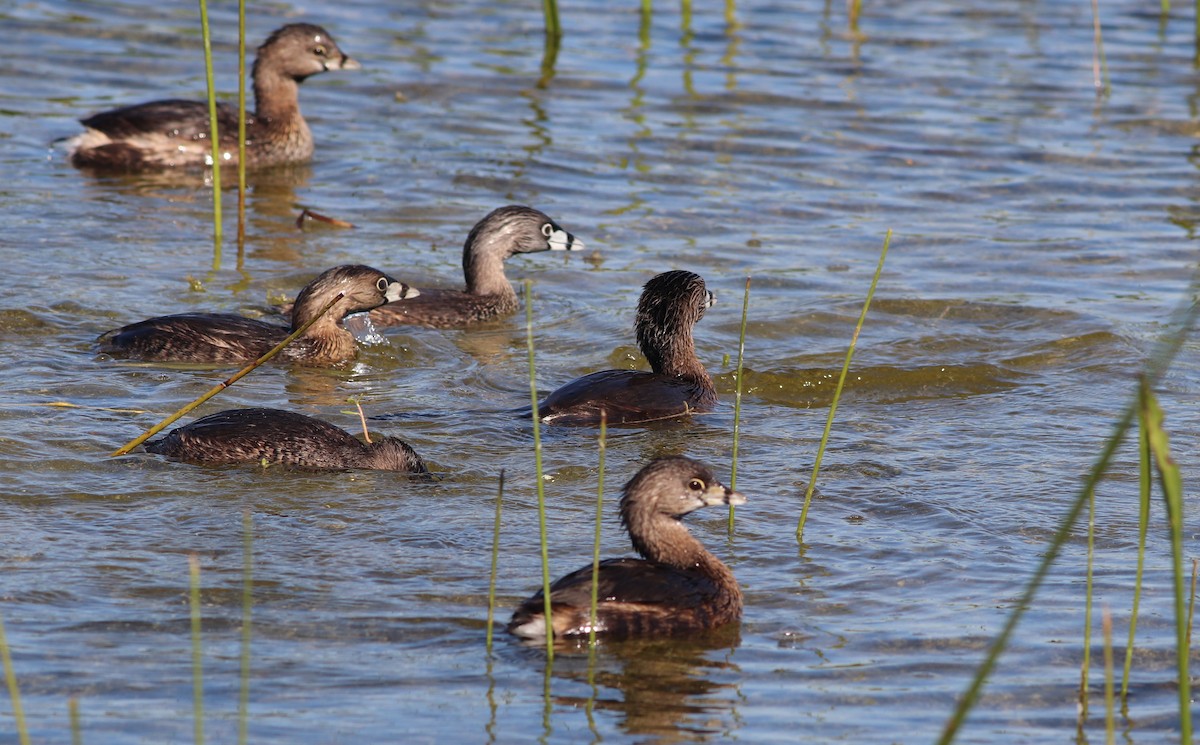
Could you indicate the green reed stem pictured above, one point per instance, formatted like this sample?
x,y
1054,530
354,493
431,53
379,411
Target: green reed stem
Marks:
x,y
1172,486
590,705
553,26
602,445
855,12
1110,719
1192,602
1156,367
491,615
14,691
73,716
553,41
1085,668
197,665
241,170
547,700
645,19
1145,476
537,469
247,618
1099,62
225,383
214,135
737,398
837,393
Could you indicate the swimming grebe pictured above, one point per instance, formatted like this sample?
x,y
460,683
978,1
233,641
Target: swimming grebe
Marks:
x,y
225,337
175,133
281,437
670,305
503,232
678,586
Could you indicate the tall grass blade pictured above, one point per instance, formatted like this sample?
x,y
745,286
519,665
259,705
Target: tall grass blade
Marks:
x,y
1110,719
550,12
214,135
854,10
737,398
14,692
1192,601
225,383
590,706
1145,476
547,702
1085,668
685,42
1172,486
537,470
602,445
491,615
73,715
247,618
197,663
552,42
1099,62
241,203
1156,367
837,393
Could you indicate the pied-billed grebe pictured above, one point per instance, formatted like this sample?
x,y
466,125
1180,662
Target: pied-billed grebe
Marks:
x,y
504,232
281,437
166,134
224,337
670,306
677,587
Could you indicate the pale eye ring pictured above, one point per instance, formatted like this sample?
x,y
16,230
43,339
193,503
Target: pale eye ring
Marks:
x,y
696,485
319,50
547,229
382,284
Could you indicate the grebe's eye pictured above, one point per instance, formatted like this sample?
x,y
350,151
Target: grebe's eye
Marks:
x,y
382,284
696,485
547,229
319,50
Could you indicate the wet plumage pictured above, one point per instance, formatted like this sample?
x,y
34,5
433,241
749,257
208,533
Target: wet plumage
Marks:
x,y
677,586
281,437
175,132
225,338
677,383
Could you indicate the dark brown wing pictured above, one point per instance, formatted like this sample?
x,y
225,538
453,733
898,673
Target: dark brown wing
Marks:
x,y
252,435
635,597
177,118
194,337
631,580
628,397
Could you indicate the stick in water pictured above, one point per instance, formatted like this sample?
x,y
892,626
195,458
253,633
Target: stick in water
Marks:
x,y
226,383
